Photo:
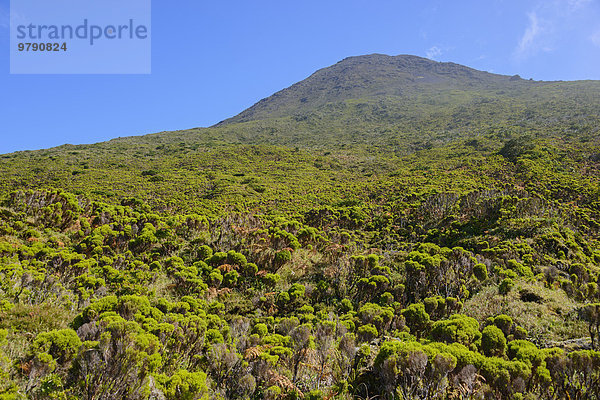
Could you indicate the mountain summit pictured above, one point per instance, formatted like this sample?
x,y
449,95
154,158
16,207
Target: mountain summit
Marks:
x,y
372,76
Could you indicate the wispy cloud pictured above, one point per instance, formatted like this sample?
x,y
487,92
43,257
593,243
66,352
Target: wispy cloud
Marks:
x,y
532,32
551,22
433,52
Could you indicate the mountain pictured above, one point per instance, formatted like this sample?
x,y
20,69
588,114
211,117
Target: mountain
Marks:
x,y
404,103
373,76
369,113
375,114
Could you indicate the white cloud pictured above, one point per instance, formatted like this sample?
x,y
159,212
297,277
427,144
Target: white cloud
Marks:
x,y
527,41
552,24
433,52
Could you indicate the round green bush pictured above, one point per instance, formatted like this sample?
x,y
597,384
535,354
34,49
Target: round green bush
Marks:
x,y
260,329
480,271
493,342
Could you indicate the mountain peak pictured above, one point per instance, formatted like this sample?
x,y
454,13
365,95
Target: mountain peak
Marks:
x,y
370,76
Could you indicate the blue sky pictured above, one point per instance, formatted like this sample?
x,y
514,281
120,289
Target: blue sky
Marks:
x,y
211,60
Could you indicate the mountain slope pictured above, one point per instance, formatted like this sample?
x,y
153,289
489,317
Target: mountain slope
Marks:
x,y
405,103
376,115
373,76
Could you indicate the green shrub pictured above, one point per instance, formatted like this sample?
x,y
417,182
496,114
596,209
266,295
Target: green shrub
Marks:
x,y
260,329
505,286
480,271
270,280
283,256
493,341
457,329
416,318
61,344
367,333
184,385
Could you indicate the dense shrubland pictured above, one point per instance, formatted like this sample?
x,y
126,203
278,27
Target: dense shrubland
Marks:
x,y
486,292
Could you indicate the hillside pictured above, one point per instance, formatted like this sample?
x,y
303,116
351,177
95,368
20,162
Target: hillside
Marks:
x,y
375,76
390,226
365,132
